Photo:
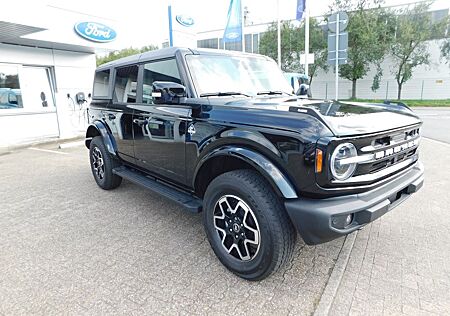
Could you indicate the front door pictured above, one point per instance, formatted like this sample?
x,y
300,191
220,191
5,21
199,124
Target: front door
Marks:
x,y
160,129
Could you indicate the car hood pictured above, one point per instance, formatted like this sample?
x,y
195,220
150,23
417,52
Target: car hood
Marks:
x,y
342,118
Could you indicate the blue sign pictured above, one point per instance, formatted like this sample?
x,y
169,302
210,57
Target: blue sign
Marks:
x,y
185,20
95,32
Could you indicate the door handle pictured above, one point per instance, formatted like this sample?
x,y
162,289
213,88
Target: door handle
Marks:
x,y
156,121
139,122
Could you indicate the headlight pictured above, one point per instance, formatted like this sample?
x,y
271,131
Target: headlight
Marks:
x,y
340,168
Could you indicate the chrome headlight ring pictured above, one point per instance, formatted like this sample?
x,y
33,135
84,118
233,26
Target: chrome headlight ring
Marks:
x,y
341,169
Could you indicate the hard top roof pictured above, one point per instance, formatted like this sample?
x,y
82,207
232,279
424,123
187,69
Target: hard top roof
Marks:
x,y
170,52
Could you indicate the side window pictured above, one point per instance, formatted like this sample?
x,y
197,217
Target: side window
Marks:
x,y
163,70
126,84
101,84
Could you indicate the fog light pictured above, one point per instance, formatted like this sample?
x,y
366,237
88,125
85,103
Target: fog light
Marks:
x,y
348,219
342,221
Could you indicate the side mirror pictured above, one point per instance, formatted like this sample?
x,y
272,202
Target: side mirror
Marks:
x,y
166,92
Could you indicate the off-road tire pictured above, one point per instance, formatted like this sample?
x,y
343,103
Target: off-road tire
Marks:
x,y
108,180
277,234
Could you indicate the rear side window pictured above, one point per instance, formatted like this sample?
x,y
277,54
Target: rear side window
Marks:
x,y
101,84
125,84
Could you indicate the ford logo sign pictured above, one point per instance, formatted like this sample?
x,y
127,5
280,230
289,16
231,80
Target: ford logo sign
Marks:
x,y
232,35
185,20
95,32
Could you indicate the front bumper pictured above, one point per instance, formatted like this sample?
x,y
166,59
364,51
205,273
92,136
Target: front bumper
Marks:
x,y
315,219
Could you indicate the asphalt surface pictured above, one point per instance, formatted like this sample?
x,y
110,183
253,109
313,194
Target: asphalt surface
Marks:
x,y
436,123
69,247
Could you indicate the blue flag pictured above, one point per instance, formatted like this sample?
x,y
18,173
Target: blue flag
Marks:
x,y
233,31
301,5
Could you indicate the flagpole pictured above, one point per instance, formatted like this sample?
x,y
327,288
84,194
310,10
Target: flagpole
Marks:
x,y
278,33
243,26
306,39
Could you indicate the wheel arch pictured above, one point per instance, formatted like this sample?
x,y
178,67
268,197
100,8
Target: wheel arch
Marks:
x,y
231,158
98,128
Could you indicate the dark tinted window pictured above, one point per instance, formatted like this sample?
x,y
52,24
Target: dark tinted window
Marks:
x,y
101,84
126,84
248,43
163,70
208,43
255,44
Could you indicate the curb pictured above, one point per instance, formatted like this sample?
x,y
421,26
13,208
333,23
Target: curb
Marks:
x,y
329,293
46,141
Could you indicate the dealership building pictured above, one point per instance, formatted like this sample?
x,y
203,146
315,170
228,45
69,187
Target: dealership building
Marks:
x,y
46,67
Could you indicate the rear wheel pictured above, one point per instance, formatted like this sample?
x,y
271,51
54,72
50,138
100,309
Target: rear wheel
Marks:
x,y
247,225
102,164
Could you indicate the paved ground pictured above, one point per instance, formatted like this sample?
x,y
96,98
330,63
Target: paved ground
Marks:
x,y
400,264
69,247
436,123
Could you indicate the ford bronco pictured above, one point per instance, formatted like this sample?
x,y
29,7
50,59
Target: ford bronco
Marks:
x,y
222,133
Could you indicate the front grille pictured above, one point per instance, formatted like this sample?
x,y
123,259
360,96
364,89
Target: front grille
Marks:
x,y
388,150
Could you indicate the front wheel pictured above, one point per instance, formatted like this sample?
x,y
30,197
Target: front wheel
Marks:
x,y
246,224
102,165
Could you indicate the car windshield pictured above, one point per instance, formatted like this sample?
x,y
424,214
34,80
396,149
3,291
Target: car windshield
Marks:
x,y
223,75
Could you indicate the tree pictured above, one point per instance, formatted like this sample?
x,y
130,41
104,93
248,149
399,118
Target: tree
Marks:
x,y
293,44
414,28
445,51
123,53
290,45
317,45
370,30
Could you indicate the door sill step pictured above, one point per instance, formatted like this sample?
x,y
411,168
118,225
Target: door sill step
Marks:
x,y
191,203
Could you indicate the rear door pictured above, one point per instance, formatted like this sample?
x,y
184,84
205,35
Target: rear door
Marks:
x,y
119,116
160,129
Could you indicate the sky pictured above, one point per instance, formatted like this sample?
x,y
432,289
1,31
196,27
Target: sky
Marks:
x,y
145,22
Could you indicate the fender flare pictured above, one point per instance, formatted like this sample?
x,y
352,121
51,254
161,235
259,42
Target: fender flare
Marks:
x,y
263,165
108,139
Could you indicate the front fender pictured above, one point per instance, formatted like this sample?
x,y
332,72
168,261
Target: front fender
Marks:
x,y
98,128
264,166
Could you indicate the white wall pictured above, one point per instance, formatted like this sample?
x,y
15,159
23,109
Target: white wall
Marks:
x,y
73,73
435,79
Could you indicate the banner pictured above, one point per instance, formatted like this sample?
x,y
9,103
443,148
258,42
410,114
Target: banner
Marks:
x,y
182,27
301,5
233,30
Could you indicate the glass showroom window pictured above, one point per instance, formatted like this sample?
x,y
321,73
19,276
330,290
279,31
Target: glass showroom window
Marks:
x,y
37,90
10,93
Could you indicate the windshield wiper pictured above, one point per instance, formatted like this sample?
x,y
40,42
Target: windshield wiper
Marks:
x,y
271,92
222,94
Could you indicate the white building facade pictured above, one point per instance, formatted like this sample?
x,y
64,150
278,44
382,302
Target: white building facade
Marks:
x,y
44,64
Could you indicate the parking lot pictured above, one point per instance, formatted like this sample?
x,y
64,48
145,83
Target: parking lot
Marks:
x,y
69,247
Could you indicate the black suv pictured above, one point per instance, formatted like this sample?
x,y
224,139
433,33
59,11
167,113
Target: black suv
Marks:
x,y
222,133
